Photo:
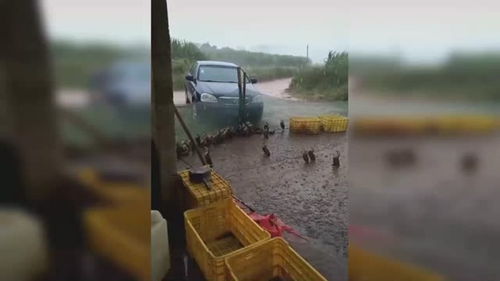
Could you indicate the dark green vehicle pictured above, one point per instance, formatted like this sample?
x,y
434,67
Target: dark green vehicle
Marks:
x,y
212,88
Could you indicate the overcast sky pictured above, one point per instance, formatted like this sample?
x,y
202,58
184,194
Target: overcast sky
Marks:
x,y
424,30
421,30
279,26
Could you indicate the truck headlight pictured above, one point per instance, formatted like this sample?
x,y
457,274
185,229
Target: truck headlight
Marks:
x,y
205,97
257,99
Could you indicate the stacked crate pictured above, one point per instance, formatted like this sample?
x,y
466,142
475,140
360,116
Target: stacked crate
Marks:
x,y
221,237
305,125
217,231
273,259
333,123
315,125
198,194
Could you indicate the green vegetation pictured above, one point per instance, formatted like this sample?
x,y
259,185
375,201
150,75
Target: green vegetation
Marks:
x,y
184,54
255,59
466,76
75,63
257,65
326,82
266,73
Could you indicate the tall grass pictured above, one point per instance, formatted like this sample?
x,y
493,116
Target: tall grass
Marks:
x,y
326,82
258,65
466,76
75,64
266,73
252,59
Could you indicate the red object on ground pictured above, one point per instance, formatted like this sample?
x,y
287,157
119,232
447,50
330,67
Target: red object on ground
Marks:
x,y
270,222
273,225
366,233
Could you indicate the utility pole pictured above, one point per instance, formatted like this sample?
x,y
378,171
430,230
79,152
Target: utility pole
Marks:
x,y
307,52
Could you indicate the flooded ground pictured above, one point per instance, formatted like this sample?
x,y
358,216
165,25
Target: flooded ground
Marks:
x,y
278,105
433,211
311,198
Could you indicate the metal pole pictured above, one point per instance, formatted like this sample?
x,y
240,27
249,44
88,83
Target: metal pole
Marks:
x,y
240,97
244,98
188,133
242,87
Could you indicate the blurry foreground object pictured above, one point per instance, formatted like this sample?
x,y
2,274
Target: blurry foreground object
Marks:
x,y
423,169
39,178
23,246
443,124
121,235
116,191
366,266
124,83
119,231
469,162
160,257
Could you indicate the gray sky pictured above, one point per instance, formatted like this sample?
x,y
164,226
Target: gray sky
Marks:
x,y
279,26
421,31
117,21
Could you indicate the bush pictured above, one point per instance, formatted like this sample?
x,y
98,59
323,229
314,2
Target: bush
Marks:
x,y
466,76
270,72
328,82
252,59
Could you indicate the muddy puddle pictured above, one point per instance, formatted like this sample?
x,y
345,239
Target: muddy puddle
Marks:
x,y
312,198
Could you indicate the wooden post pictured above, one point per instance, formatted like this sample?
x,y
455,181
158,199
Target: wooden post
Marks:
x,y
29,99
163,102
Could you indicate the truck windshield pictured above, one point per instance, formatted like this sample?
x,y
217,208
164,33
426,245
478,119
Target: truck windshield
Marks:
x,y
210,73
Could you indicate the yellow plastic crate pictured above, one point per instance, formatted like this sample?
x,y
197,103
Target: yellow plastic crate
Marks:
x,y
217,231
405,125
366,266
268,260
115,192
305,125
415,125
121,234
199,195
334,123
453,124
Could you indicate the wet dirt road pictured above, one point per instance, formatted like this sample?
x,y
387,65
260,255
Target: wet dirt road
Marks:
x,y
310,198
431,213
